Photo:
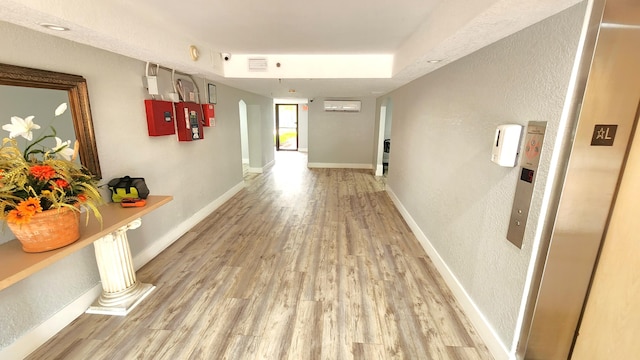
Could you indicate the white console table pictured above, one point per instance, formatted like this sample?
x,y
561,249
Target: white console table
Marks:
x,y
121,291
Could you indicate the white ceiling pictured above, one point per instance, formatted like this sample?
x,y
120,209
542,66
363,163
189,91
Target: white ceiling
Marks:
x,y
410,32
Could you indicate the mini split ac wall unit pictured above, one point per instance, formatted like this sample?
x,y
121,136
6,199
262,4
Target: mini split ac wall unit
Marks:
x,y
342,105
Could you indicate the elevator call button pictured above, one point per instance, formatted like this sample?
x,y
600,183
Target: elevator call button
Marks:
x,y
532,148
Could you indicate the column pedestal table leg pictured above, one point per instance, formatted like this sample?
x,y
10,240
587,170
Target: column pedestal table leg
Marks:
x,y
121,291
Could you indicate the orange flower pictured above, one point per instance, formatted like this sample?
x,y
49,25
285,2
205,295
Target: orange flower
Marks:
x,y
42,172
82,197
17,217
29,206
62,183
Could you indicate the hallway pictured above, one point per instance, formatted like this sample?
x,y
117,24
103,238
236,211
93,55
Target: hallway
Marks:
x,y
301,264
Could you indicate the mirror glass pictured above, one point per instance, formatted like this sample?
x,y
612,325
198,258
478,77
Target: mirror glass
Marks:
x,y
40,103
39,92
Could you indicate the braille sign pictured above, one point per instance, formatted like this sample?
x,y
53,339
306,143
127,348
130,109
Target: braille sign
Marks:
x,y
603,135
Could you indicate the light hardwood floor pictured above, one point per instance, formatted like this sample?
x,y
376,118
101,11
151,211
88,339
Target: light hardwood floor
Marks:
x,y
302,264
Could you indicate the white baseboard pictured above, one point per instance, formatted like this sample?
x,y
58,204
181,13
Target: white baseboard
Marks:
x,y
339,166
482,326
30,341
379,170
39,335
269,164
262,169
169,238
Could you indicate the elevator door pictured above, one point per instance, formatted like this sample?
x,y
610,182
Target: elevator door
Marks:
x,y
611,320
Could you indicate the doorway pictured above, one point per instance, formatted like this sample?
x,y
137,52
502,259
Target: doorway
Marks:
x,y
384,139
286,134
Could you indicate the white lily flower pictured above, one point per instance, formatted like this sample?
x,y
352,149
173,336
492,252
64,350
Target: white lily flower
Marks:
x,y
61,109
63,148
21,127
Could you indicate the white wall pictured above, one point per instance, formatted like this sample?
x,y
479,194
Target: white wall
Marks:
x,y
342,139
303,127
254,129
244,131
267,141
389,119
196,173
440,173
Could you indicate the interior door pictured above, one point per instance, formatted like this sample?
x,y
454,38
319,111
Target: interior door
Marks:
x,y
287,127
611,321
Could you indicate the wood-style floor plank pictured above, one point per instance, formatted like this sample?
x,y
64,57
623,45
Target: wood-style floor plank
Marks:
x,y
307,343
301,264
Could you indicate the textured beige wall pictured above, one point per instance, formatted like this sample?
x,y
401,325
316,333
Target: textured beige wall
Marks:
x,y
440,169
341,137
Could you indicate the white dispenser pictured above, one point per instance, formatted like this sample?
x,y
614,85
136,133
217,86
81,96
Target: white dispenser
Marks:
x,y
506,144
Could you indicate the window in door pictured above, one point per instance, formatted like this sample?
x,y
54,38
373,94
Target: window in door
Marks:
x,y
286,127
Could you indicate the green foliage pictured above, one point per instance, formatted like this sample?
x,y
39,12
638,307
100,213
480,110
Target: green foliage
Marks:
x,y
286,135
53,181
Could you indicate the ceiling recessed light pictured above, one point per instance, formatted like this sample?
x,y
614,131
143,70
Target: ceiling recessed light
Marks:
x,y
433,61
53,27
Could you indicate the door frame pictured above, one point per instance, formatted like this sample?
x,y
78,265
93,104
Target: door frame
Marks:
x,y
277,130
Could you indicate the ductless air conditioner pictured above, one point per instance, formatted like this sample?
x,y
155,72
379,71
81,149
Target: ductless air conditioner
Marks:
x,y
342,105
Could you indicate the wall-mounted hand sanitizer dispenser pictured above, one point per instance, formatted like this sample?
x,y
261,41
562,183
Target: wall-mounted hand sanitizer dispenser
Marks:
x,y
506,144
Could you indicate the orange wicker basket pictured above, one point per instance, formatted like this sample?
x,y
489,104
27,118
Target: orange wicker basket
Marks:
x,y
48,230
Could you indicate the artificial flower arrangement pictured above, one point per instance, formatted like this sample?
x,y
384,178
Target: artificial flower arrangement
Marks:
x,y
40,178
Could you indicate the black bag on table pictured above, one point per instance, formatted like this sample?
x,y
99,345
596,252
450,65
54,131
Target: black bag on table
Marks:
x,y
128,187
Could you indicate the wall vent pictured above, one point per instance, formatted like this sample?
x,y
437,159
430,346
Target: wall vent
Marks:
x,y
258,64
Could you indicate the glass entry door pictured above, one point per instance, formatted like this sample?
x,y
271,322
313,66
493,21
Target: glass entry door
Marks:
x,y
287,127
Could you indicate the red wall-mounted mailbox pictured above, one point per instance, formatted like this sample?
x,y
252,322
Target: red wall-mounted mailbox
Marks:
x,y
160,119
209,113
189,121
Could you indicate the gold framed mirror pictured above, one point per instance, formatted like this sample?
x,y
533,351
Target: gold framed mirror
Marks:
x,y
76,87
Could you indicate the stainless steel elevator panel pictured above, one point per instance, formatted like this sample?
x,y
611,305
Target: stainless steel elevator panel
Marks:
x,y
529,160
575,228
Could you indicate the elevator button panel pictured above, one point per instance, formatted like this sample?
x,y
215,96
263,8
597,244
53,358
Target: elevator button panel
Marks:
x,y
531,149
